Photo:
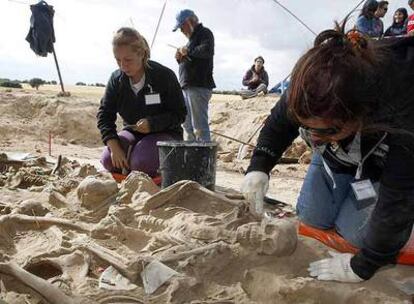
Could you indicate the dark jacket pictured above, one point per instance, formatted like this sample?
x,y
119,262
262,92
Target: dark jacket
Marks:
x,y
119,98
393,217
263,78
396,30
198,71
41,35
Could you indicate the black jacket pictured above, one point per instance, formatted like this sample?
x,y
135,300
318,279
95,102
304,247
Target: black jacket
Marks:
x,y
197,71
41,35
393,216
119,98
263,78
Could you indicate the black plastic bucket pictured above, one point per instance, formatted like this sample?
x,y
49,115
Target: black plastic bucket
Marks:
x,y
183,160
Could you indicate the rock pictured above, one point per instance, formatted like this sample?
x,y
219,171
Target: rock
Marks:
x,y
92,192
84,171
31,207
56,199
306,158
229,157
136,183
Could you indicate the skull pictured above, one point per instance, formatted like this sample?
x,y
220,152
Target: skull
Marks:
x,y
278,237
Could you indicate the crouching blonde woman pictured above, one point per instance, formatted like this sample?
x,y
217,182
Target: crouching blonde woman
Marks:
x,y
148,98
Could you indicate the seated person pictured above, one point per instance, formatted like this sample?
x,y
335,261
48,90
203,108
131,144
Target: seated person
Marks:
x,y
149,99
398,26
256,79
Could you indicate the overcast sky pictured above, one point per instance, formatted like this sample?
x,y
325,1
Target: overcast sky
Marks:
x,y
243,29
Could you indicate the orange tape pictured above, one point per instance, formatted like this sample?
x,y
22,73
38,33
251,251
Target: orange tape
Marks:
x,y
333,240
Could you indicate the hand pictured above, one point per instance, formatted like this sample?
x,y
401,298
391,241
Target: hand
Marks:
x,y
183,51
336,268
178,55
143,126
254,187
118,155
255,78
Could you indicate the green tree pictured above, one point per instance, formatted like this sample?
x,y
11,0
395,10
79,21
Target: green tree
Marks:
x,y
36,83
11,84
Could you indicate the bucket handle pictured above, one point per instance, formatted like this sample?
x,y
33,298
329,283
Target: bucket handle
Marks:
x,y
166,157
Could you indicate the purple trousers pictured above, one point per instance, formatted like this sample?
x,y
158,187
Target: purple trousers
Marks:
x,y
144,154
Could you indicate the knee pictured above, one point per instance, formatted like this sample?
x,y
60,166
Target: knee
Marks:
x,y
315,211
126,139
144,156
314,219
145,163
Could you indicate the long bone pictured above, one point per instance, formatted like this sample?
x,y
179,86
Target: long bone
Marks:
x,y
43,221
48,291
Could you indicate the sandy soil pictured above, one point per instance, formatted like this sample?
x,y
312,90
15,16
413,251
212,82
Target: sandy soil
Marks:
x,y
62,228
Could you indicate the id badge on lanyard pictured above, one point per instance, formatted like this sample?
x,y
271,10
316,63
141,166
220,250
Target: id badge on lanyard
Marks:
x,y
152,98
363,189
364,192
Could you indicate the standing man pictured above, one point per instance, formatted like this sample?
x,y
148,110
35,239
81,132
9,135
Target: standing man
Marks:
x,y
380,12
196,74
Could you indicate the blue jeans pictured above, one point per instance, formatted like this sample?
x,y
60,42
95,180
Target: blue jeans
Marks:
x,y
322,207
196,122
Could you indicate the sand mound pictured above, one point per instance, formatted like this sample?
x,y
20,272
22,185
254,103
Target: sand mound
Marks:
x,y
72,235
69,119
106,243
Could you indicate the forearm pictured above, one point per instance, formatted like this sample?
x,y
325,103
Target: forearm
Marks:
x,y
390,226
277,134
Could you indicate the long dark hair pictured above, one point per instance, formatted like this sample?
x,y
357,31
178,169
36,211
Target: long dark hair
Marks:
x,y
336,78
369,8
403,11
348,78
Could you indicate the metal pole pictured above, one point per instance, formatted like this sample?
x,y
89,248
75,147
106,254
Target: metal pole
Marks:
x,y
57,67
353,10
294,16
158,24
232,138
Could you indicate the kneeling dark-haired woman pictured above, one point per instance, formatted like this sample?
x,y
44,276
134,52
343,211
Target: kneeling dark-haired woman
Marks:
x,y
352,101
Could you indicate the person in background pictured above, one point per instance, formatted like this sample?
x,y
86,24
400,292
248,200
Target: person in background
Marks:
x,y
256,79
196,74
352,100
398,26
148,98
380,13
367,23
410,20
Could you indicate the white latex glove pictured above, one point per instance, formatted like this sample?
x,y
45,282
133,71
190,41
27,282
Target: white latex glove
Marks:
x,y
254,187
336,268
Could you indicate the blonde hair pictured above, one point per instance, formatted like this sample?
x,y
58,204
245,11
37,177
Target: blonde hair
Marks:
x,y
131,37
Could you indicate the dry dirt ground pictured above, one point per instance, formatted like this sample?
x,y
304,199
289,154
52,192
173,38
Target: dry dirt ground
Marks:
x,y
63,229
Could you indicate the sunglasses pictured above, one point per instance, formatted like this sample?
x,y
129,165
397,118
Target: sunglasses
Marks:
x,y
322,131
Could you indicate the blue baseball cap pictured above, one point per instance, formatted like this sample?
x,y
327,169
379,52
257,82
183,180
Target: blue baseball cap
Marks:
x,y
181,17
